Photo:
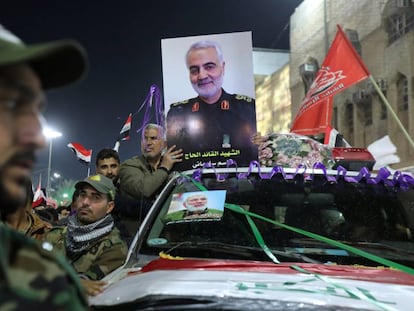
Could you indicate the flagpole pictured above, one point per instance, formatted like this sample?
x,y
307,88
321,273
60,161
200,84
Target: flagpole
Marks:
x,y
384,99
117,144
89,166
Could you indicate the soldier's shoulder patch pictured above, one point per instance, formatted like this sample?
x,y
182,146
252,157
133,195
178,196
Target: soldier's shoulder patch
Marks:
x,y
243,98
179,103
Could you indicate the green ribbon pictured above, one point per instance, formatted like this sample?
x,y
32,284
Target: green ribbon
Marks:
x,y
359,294
315,236
258,236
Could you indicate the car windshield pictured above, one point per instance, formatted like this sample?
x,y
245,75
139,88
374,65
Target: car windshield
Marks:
x,y
308,217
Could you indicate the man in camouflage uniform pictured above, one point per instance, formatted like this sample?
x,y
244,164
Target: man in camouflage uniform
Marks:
x,y
31,276
25,219
90,240
215,126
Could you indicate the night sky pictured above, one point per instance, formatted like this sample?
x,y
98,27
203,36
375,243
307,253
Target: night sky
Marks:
x,y
123,41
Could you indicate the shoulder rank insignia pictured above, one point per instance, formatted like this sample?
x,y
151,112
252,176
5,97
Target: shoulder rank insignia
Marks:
x,y
243,97
225,105
179,103
195,107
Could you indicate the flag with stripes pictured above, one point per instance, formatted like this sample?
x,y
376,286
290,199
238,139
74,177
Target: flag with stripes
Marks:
x,y
83,155
39,196
124,133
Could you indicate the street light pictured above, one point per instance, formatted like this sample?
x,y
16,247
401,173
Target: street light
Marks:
x,y
50,134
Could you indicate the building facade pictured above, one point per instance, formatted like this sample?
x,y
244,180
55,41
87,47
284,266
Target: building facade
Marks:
x,y
273,102
383,34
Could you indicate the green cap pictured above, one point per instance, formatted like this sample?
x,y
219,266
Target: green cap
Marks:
x,y
57,63
100,182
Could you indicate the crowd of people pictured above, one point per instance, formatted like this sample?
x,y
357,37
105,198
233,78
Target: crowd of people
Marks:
x,y
94,232
53,258
32,274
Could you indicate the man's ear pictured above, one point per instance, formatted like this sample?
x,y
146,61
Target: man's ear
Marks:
x,y
110,206
223,65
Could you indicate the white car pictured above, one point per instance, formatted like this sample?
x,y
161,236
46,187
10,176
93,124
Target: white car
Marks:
x,y
263,238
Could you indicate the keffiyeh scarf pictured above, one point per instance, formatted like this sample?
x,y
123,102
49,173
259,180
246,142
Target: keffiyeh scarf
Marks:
x,y
79,237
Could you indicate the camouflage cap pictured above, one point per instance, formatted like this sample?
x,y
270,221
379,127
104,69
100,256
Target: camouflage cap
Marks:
x,y
57,63
100,182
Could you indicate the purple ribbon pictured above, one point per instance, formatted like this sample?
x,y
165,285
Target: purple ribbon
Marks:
x,y
404,181
152,97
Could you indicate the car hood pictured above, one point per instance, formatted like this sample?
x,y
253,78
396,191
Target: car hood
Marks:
x,y
309,284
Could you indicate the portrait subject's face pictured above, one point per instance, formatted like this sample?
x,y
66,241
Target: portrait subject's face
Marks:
x,y
196,203
206,72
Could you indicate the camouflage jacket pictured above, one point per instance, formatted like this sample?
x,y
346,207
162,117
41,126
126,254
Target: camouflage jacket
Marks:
x,y
34,278
101,258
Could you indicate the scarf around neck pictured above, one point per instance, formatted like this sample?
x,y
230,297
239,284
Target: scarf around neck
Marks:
x,y
79,237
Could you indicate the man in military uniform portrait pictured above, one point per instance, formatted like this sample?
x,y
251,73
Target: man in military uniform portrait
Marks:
x,y
215,126
196,206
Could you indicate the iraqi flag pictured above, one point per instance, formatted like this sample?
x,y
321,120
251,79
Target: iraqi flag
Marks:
x,y
39,196
341,68
83,155
124,133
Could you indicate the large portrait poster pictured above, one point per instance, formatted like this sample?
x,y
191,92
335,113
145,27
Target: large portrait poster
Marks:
x,y
209,99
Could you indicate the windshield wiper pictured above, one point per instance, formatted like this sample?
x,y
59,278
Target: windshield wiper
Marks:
x,y
237,248
381,247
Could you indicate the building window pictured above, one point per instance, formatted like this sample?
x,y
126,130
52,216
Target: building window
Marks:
x,y
402,101
399,16
335,117
354,38
349,118
384,112
367,111
308,72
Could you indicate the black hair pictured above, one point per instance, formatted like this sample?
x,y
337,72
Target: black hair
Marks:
x,y
107,153
60,208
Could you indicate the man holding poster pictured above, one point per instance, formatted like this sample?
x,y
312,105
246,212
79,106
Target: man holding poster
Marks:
x,y
214,126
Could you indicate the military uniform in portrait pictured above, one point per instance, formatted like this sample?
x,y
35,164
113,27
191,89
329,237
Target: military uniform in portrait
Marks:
x,y
213,132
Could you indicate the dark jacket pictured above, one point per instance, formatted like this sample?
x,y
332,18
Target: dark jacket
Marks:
x,y
213,132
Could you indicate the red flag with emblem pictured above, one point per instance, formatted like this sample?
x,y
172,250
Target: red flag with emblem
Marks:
x,y
341,68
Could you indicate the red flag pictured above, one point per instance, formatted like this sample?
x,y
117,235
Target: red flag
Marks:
x,y
83,155
124,133
315,119
341,68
